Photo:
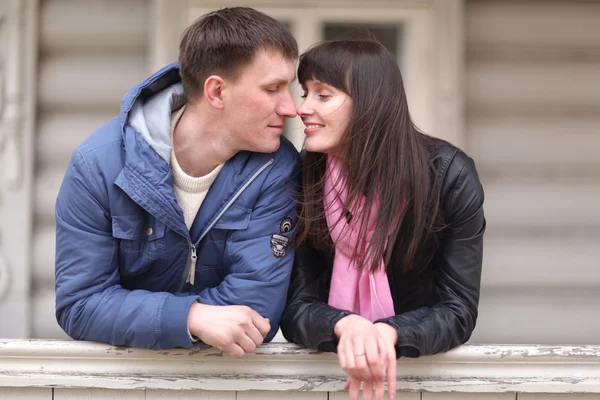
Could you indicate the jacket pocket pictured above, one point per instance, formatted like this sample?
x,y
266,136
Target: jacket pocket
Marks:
x,y
141,243
139,234
235,218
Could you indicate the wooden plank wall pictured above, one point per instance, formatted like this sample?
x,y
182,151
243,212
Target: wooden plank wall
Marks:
x,y
91,52
533,127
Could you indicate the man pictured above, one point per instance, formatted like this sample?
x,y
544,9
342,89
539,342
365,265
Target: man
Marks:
x,y
173,219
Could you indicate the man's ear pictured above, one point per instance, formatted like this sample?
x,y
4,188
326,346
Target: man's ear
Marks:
x,y
213,91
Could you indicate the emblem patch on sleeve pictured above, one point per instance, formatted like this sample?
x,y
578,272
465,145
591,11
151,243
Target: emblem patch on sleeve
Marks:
x,y
286,225
279,245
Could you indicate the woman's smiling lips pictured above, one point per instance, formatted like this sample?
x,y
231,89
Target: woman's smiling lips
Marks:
x,y
312,127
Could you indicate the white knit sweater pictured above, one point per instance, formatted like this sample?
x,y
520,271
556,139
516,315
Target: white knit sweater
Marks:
x,y
189,191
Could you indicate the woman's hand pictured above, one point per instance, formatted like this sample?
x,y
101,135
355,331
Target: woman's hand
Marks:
x,y
389,336
366,352
358,348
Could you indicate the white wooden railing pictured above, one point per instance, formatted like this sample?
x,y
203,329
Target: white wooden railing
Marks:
x,y
61,370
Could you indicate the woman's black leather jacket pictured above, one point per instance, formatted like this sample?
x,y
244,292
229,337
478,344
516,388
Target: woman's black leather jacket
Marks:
x,y
435,301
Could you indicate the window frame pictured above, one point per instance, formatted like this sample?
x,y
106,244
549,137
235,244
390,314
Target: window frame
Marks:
x,y
433,62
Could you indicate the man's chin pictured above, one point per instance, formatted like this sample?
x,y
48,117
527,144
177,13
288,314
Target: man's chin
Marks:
x,y
264,146
273,149
270,147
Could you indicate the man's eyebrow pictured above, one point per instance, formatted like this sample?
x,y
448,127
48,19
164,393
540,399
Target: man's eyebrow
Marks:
x,y
280,81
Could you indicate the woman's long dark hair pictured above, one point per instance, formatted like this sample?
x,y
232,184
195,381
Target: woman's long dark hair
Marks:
x,y
385,156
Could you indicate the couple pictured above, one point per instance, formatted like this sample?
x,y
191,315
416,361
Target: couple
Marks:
x,y
180,221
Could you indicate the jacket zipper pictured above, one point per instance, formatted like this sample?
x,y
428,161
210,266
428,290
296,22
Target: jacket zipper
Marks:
x,y
193,258
189,273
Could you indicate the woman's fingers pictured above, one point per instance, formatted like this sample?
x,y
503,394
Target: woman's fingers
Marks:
x,y
354,387
349,358
364,354
367,390
391,369
341,352
388,353
379,390
368,360
361,369
374,360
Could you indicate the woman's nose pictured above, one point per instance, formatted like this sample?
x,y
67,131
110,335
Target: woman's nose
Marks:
x,y
304,109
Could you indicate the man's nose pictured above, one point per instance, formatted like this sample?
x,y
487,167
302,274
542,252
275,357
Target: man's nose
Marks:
x,y
287,108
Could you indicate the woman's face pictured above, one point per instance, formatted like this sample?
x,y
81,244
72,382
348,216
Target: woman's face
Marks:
x,y
326,112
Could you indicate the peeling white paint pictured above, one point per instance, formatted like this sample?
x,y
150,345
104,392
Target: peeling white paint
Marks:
x,y
286,367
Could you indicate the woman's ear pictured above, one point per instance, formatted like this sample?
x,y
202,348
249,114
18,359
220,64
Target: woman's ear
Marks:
x,y
213,91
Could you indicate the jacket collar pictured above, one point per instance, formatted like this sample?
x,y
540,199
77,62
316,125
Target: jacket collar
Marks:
x,y
147,179
146,176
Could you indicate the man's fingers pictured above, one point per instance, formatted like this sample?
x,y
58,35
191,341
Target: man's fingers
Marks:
x,y
234,350
254,334
246,343
262,324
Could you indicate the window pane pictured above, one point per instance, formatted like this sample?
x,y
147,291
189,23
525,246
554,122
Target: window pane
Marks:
x,y
388,34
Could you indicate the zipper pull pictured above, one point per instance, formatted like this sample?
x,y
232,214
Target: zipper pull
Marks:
x,y
192,274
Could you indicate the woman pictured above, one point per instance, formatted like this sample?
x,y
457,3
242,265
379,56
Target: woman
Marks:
x,y
390,235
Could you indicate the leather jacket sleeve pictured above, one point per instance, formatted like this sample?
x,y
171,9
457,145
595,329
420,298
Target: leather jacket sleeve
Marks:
x,y
308,319
450,322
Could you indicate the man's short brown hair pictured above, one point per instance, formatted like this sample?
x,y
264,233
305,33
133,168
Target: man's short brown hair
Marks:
x,y
223,42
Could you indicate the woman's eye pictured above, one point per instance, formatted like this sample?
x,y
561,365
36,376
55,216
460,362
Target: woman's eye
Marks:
x,y
321,96
271,90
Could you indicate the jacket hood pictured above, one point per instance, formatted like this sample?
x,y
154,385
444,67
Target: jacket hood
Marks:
x,y
147,108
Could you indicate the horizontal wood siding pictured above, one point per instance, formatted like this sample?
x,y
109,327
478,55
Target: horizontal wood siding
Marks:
x,y
91,53
533,128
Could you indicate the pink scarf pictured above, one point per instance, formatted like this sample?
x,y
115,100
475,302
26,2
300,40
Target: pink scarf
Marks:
x,y
367,294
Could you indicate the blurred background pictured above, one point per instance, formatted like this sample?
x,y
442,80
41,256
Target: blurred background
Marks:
x,y
516,84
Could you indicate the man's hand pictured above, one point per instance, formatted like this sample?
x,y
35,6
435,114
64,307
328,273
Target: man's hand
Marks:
x,y
236,330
